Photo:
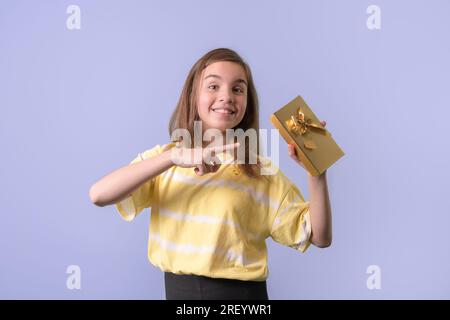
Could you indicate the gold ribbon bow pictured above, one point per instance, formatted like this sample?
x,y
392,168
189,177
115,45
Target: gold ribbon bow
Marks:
x,y
299,124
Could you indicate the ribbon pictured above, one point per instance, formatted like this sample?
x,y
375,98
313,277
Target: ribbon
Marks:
x,y
299,124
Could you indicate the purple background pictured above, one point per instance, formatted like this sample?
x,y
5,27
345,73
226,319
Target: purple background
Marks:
x,y
78,104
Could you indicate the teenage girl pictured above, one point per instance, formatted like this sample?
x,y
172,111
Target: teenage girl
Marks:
x,y
209,220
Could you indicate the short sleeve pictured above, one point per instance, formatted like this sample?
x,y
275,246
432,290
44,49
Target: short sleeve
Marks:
x,y
142,197
292,225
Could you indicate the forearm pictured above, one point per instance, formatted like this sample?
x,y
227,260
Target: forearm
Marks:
x,y
118,184
320,211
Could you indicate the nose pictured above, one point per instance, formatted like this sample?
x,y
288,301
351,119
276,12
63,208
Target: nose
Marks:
x,y
226,96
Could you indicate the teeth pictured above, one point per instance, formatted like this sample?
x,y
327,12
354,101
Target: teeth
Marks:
x,y
223,111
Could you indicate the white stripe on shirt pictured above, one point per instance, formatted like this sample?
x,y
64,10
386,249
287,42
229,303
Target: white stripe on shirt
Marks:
x,y
229,254
217,182
204,218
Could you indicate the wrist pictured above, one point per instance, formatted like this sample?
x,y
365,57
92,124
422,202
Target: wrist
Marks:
x,y
319,177
168,158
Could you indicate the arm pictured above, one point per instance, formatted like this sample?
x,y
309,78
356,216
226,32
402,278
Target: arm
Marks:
x,y
118,184
320,208
320,211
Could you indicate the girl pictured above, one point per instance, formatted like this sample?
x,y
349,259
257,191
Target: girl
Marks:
x,y
210,219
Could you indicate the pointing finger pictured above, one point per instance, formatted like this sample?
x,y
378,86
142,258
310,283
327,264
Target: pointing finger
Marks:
x,y
227,147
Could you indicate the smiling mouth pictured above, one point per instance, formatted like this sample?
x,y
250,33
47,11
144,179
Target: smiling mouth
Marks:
x,y
223,111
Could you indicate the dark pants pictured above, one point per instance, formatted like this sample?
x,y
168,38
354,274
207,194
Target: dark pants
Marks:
x,y
193,287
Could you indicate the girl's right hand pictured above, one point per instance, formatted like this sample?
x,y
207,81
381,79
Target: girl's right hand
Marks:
x,y
203,160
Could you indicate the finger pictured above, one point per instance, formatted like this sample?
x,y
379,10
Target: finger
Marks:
x,y
211,167
214,162
215,165
291,150
214,168
294,157
199,170
324,123
226,147
293,153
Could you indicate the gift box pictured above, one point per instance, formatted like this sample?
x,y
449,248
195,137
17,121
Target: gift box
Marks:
x,y
315,146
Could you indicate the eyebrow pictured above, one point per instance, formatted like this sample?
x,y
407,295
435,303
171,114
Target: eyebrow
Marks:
x,y
219,77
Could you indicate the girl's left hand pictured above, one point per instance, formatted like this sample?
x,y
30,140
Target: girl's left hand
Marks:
x,y
293,153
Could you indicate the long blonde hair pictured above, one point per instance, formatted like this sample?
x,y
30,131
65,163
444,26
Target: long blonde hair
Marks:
x,y
186,112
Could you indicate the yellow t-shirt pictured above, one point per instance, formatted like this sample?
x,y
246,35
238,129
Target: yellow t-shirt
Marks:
x,y
215,225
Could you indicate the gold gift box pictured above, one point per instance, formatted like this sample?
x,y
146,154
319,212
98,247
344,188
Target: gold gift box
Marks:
x,y
297,124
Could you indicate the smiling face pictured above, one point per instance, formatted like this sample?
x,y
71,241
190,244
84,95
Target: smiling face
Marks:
x,y
222,95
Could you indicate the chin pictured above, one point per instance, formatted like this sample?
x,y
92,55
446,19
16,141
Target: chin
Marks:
x,y
222,127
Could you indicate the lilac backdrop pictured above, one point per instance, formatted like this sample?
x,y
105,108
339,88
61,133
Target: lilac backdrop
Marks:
x,y
76,104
